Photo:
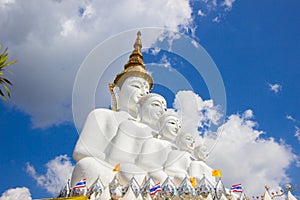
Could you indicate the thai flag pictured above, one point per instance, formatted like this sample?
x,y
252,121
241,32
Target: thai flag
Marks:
x,y
236,188
156,188
81,183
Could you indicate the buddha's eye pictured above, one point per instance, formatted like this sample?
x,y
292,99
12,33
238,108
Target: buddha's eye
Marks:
x,y
155,104
136,86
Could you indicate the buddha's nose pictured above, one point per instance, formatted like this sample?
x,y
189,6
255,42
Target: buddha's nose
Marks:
x,y
144,90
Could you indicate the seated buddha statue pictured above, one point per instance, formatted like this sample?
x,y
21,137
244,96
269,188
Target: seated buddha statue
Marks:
x,y
126,145
155,151
102,124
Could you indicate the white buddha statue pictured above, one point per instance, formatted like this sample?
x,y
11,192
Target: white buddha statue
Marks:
x,y
179,160
188,160
155,151
126,145
102,124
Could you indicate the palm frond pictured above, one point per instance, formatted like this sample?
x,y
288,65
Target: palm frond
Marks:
x,y
4,82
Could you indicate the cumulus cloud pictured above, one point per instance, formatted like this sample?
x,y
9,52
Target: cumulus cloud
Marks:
x,y
228,4
59,170
201,13
195,113
275,87
163,62
297,133
195,44
248,114
216,19
51,38
291,118
244,157
16,193
214,10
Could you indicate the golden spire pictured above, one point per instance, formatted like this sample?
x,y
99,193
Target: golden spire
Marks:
x,y
135,67
136,57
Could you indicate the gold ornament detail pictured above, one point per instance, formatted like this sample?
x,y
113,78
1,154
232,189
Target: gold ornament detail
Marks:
x,y
135,67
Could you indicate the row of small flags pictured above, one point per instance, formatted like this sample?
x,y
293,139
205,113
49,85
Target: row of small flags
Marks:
x,y
237,188
157,188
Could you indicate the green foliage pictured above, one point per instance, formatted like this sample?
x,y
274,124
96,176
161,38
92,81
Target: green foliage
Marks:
x,y
4,82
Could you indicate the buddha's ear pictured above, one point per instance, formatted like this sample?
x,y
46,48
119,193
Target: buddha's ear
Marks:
x,y
116,91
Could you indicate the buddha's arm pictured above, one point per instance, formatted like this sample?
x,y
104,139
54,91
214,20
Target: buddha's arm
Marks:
x,y
88,142
176,164
148,159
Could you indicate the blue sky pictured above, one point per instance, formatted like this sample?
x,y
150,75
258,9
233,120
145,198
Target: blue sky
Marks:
x,y
254,44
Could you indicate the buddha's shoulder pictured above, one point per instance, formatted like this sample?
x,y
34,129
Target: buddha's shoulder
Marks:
x,y
101,110
104,112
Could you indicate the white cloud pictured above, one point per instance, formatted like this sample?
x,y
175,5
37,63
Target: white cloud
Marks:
x,y
164,61
228,4
59,170
68,27
4,3
201,13
88,11
195,44
248,114
51,38
194,112
297,133
212,8
16,193
154,51
291,118
216,19
244,157
275,87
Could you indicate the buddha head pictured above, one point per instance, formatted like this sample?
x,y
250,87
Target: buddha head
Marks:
x,y
185,142
150,108
132,83
201,152
169,126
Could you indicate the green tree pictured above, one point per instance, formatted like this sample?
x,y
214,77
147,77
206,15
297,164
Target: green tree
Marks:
x,y
4,82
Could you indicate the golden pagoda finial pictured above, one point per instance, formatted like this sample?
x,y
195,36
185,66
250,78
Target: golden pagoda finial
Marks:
x,y
134,67
138,41
136,57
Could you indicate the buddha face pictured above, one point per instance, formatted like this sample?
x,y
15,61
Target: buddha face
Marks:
x,y
152,109
171,126
131,91
187,142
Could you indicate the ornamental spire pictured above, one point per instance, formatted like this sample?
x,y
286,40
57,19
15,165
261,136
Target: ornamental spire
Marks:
x,y
138,41
135,67
136,57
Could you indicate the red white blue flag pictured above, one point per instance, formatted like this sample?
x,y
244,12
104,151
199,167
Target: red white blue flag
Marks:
x,y
81,183
236,188
156,188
